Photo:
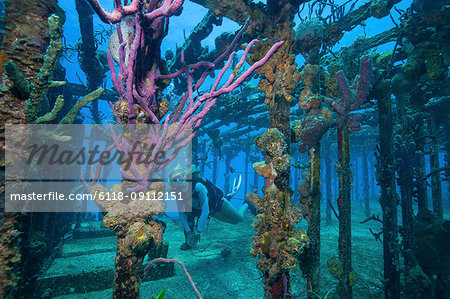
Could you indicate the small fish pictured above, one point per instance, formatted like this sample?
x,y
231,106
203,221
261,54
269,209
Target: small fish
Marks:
x,y
68,235
232,170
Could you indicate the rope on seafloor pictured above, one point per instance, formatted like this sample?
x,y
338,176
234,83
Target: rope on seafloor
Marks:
x,y
163,260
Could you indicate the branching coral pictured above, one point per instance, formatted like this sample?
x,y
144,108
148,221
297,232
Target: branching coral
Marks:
x,y
39,88
120,11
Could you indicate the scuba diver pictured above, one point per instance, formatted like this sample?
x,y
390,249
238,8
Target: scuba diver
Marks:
x,y
208,200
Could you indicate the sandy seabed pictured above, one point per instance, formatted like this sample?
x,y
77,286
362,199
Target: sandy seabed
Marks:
x,y
236,276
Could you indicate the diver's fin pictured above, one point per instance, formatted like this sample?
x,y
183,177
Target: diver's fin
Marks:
x,y
236,186
235,189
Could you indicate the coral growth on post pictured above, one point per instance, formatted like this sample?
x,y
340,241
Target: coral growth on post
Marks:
x,y
317,119
351,99
276,242
280,73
